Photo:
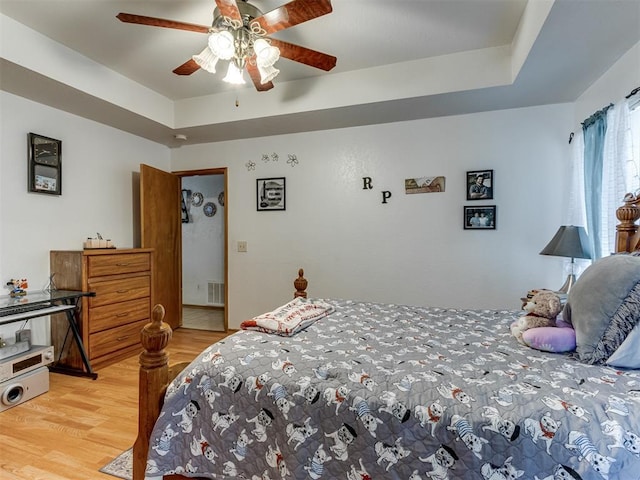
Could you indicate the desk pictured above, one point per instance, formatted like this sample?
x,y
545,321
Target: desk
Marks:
x,y
40,304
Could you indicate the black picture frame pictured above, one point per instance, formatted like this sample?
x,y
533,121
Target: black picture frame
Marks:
x,y
471,213
44,165
482,191
271,194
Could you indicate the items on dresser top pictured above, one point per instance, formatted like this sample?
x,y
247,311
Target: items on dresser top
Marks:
x,y
110,322
97,242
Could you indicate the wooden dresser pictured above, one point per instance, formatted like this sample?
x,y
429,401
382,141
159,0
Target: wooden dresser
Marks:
x,y
110,322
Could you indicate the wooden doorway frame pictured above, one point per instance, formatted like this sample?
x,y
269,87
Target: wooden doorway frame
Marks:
x,y
225,210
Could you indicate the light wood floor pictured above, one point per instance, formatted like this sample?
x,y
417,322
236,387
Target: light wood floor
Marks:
x,y
203,318
80,424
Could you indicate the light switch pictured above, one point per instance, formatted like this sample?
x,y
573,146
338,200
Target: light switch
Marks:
x,y
242,246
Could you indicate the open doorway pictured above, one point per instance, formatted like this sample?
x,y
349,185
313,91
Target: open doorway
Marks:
x,y
203,251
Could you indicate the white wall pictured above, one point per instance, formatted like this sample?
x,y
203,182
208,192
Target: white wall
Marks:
x,y
97,167
202,240
612,87
412,249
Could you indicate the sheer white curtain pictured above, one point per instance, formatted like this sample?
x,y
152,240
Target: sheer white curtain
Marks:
x,y
617,152
576,212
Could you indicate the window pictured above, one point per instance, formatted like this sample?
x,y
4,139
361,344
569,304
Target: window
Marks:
x,y
633,162
594,206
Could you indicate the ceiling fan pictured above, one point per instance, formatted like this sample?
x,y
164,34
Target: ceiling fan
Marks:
x,y
240,33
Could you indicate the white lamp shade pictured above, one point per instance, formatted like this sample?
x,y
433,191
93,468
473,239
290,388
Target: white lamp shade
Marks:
x,y
234,75
206,60
221,44
266,55
267,73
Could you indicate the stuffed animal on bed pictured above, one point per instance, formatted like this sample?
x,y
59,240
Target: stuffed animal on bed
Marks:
x,y
542,310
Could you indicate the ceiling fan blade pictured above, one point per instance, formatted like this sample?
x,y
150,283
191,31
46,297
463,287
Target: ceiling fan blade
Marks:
x,y
229,8
187,68
305,55
255,77
161,22
293,13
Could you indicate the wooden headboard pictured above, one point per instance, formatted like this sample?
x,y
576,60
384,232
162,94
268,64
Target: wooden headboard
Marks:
x,y
627,235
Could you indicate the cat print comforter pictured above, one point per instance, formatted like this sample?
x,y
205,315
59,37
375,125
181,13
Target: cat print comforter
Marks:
x,y
378,391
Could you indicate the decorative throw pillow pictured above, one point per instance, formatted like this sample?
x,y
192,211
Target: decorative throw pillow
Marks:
x,y
289,319
604,306
628,354
550,339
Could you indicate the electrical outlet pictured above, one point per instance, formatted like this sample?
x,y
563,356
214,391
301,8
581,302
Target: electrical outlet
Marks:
x,y
242,246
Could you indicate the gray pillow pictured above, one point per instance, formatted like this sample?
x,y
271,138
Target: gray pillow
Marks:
x,y
603,306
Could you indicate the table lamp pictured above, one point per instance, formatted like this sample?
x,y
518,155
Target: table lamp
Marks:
x,y
572,242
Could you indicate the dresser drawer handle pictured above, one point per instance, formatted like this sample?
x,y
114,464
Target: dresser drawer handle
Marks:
x,y
124,314
122,264
122,291
120,339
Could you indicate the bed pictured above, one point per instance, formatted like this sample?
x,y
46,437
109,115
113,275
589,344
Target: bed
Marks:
x,y
370,391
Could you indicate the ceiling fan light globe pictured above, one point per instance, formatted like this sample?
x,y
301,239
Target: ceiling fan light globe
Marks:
x,y
267,73
206,60
259,44
234,75
266,55
221,44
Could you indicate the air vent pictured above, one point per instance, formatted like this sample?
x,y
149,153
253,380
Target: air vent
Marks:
x,y
215,293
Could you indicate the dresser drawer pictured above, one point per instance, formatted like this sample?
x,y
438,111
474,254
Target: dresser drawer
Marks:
x,y
120,290
109,341
116,264
110,316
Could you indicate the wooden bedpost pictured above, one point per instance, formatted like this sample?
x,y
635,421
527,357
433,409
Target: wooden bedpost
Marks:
x,y
627,229
300,284
153,380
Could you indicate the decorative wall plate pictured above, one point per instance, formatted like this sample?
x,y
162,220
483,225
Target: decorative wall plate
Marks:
x,y
209,209
196,199
221,199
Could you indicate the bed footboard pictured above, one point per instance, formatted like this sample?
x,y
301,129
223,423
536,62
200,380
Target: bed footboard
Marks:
x,y
156,374
153,379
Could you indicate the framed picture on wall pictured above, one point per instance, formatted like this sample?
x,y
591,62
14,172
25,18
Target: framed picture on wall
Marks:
x,y
480,185
480,218
45,165
271,193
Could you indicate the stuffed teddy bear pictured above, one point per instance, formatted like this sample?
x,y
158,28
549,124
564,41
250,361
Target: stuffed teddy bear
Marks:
x,y
542,310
